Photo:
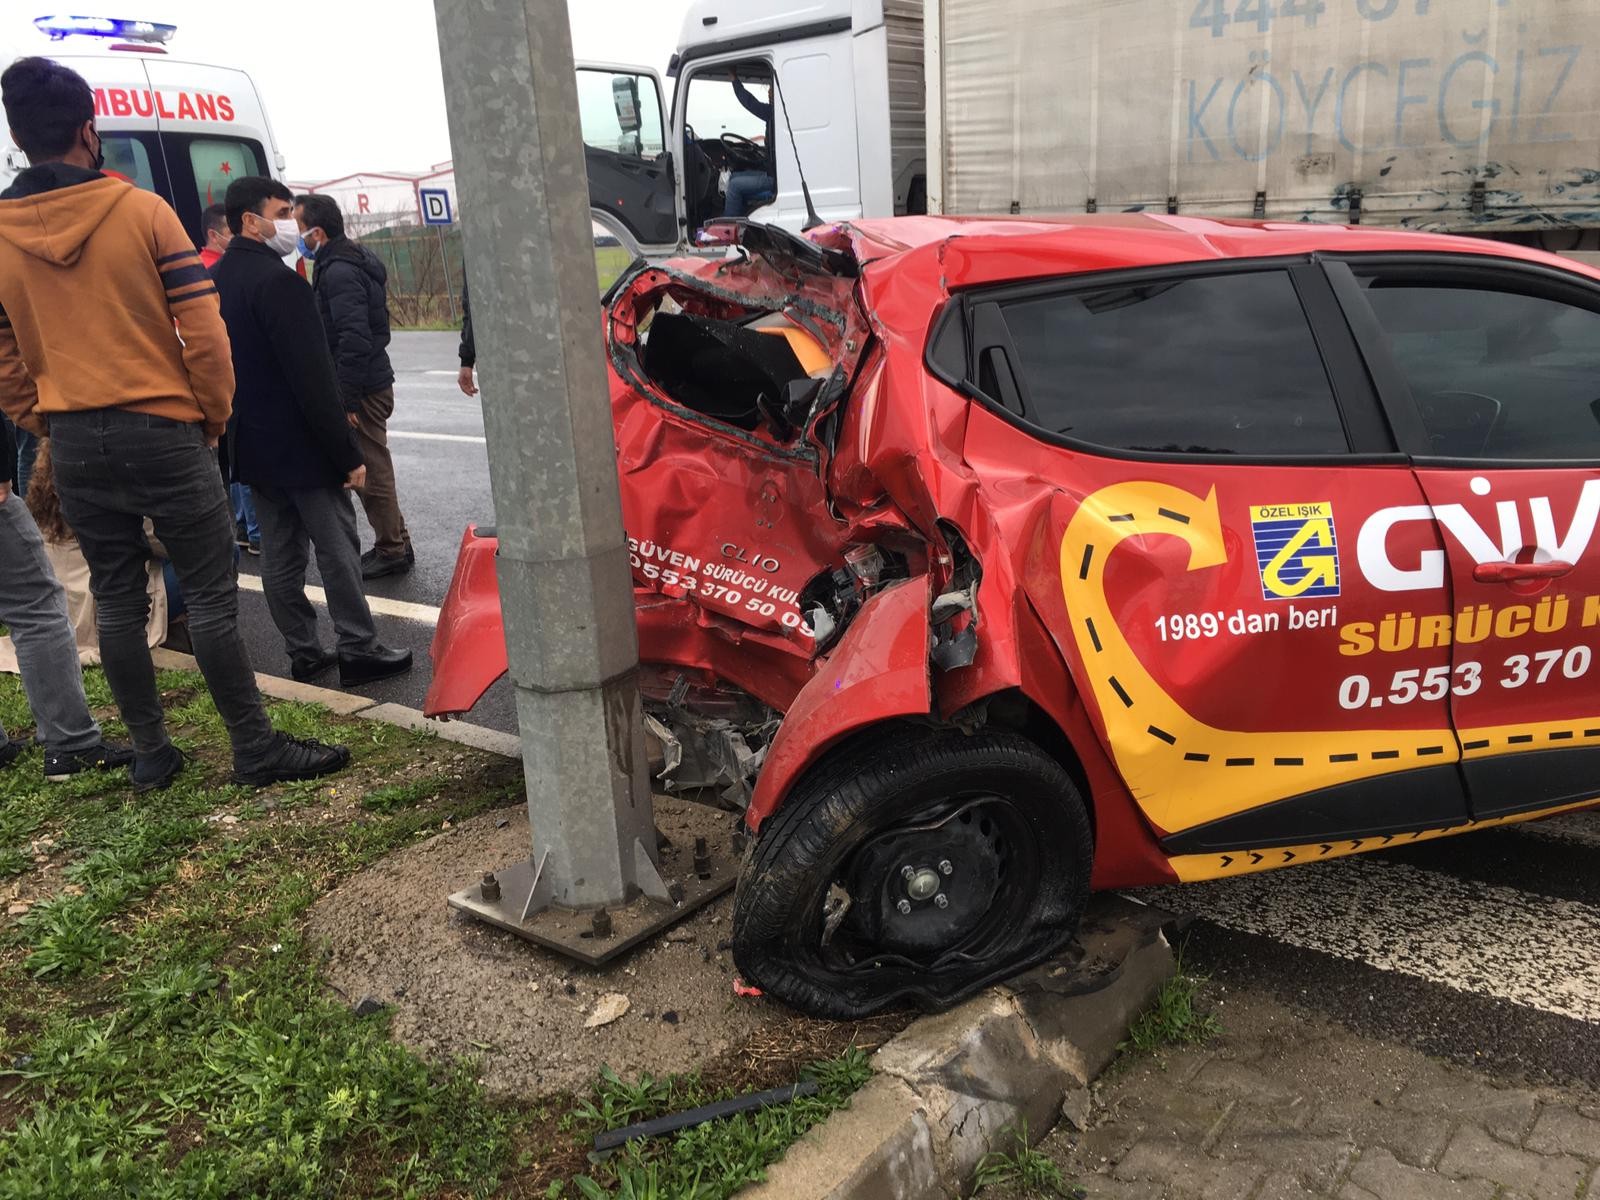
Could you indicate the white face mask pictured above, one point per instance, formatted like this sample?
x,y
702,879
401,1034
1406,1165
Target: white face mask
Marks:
x,y
286,234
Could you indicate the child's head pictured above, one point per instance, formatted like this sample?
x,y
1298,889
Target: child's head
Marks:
x,y
43,501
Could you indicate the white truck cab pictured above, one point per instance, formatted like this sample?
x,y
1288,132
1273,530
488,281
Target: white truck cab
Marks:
x,y
181,129
820,101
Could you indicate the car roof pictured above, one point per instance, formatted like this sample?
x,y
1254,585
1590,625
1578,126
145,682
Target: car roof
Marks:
x,y
977,250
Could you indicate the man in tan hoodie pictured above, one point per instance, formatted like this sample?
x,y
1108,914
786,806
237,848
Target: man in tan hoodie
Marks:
x,y
112,343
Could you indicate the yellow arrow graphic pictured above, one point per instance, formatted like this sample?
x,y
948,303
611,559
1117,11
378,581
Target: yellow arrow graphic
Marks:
x,y
1181,771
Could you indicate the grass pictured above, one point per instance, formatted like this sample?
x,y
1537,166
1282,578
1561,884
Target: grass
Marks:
x,y
429,327
710,1161
1022,1167
1174,1018
609,262
165,1030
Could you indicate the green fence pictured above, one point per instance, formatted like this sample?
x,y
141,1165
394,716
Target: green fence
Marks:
x,y
425,272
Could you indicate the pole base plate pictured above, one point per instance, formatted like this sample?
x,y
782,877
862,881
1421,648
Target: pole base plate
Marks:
x,y
571,931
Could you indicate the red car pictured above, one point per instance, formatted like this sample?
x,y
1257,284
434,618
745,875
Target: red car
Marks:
x,y
991,561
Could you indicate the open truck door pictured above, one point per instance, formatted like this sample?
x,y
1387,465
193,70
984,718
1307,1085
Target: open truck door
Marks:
x,y
632,184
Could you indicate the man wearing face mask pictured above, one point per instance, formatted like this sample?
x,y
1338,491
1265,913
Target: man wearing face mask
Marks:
x,y
112,344
293,446
351,289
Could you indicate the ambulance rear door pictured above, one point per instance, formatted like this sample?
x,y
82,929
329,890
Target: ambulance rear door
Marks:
x,y
124,110
212,129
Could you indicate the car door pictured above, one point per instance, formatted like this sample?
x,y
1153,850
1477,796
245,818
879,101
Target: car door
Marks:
x,y
1492,371
1204,451
630,170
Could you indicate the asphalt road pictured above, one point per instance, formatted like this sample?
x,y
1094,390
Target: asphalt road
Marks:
x,y
1480,948
436,438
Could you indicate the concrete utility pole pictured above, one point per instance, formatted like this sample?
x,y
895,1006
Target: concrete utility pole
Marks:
x,y
565,585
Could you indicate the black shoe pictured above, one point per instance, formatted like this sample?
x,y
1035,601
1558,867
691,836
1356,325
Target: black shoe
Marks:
x,y
382,663
253,547
10,751
241,536
306,668
153,772
411,555
380,565
59,765
289,758
368,555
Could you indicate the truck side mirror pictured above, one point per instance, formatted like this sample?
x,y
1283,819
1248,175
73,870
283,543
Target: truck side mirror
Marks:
x,y
625,96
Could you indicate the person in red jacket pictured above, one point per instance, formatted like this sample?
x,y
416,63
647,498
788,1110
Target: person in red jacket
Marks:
x,y
214,228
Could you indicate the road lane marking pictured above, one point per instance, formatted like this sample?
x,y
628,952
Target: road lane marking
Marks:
x,y
1537,951
439,437
452,374
404,609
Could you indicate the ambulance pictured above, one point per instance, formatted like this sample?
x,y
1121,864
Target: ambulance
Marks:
x,y
181,129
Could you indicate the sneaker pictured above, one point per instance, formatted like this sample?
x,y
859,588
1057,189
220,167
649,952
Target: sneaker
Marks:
x,y
253,547
10,751
381,565
153,772
289,758
241,536
411,555
61,765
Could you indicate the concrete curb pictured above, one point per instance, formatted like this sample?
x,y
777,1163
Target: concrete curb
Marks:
x,y
352,704
949,1085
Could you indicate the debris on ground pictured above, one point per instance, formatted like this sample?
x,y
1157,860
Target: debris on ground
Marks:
x,y
610,1007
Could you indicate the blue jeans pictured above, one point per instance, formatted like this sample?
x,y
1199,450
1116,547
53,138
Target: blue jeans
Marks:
x,y
747,190
244,510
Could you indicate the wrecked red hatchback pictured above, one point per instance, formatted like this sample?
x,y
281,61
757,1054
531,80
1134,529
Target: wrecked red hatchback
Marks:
x,y
986,562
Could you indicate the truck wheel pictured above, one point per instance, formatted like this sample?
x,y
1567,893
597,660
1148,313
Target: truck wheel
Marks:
x,y
913,866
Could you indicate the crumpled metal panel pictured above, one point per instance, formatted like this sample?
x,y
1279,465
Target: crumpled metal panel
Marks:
x,y
878,671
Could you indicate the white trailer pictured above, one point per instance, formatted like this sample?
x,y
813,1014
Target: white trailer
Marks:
x,y
1478,116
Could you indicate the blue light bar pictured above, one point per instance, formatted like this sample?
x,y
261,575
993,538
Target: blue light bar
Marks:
x,y
151,32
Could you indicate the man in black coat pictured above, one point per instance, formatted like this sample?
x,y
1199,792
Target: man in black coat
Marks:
x,y
292,444
351,286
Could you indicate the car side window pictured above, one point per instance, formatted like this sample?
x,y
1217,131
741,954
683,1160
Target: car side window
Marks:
x,y
1496,374
1218,364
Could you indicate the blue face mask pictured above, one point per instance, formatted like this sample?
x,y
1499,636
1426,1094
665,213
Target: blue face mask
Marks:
x,y
305,250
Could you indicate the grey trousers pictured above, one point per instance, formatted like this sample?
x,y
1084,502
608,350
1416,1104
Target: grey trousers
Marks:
x,y
293,522
34,607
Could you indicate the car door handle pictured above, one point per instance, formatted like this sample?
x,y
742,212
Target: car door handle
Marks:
x,y
1512,572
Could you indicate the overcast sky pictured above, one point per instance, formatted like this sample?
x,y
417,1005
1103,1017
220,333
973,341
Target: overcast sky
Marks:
x,y
353,84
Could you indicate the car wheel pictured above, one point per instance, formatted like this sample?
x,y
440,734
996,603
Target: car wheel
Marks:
x,y
915,865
